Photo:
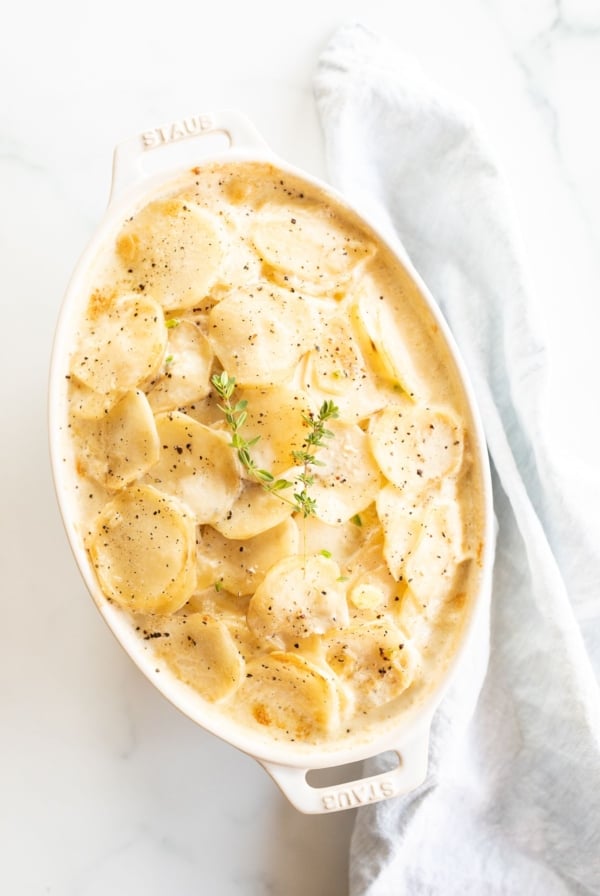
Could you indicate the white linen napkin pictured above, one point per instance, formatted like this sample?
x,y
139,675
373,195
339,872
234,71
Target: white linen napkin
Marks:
x,y
511,804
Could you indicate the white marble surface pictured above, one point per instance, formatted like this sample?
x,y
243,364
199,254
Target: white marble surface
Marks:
x,y
104,787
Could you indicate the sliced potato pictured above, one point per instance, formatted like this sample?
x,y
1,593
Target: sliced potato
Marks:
x,y
230,609
371,585
288,692
260,333
200,651
416,445
308,249
245,640
349,479
299,596
174,250
217,602
254,511
336,368
197,465
206,410
142,548
340,542
411,617
122,445
275,417
432,566
122,346
384,346
207,571
86,404
185,375
241,565
240,267
377,659
402,522
338,364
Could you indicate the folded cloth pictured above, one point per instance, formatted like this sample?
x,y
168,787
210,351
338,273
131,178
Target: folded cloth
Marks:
x,y
511,804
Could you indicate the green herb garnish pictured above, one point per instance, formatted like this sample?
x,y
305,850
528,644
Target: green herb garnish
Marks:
x,y
306,458
236,415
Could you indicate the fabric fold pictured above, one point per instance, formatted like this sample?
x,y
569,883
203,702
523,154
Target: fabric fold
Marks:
x,y
510,805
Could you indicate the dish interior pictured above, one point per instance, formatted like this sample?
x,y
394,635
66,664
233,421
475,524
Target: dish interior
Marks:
x,y
268,460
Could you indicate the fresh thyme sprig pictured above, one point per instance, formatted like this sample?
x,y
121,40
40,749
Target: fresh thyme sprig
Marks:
x,y
306,458
237,414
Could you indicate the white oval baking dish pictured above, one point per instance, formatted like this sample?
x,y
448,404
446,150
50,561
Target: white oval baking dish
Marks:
x,y
141,166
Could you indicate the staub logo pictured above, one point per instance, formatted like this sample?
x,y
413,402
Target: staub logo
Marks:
x,y
176,130
357,795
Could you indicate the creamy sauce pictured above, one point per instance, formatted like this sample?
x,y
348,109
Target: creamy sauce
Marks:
x,y
308,618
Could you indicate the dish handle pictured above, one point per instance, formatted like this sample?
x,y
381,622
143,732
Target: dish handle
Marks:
x,y
406,776
157,150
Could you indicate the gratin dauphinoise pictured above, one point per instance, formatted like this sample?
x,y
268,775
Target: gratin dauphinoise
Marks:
x,y
304,620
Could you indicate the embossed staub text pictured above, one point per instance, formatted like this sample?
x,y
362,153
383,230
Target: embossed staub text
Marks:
x,y
357,795
176,130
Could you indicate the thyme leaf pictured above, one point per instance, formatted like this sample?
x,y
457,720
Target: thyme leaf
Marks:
x,y
236,415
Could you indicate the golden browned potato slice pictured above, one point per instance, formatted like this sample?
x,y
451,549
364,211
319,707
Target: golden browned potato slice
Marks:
x,y
349,478
241,565
122,346
416,445
200,651
431,568
299,596
122,445
197,465
308,250
185,375
376,659
173,249
286,691
142,548
260,333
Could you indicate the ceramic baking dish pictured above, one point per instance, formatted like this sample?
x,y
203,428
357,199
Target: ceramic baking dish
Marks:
x,y
142,166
